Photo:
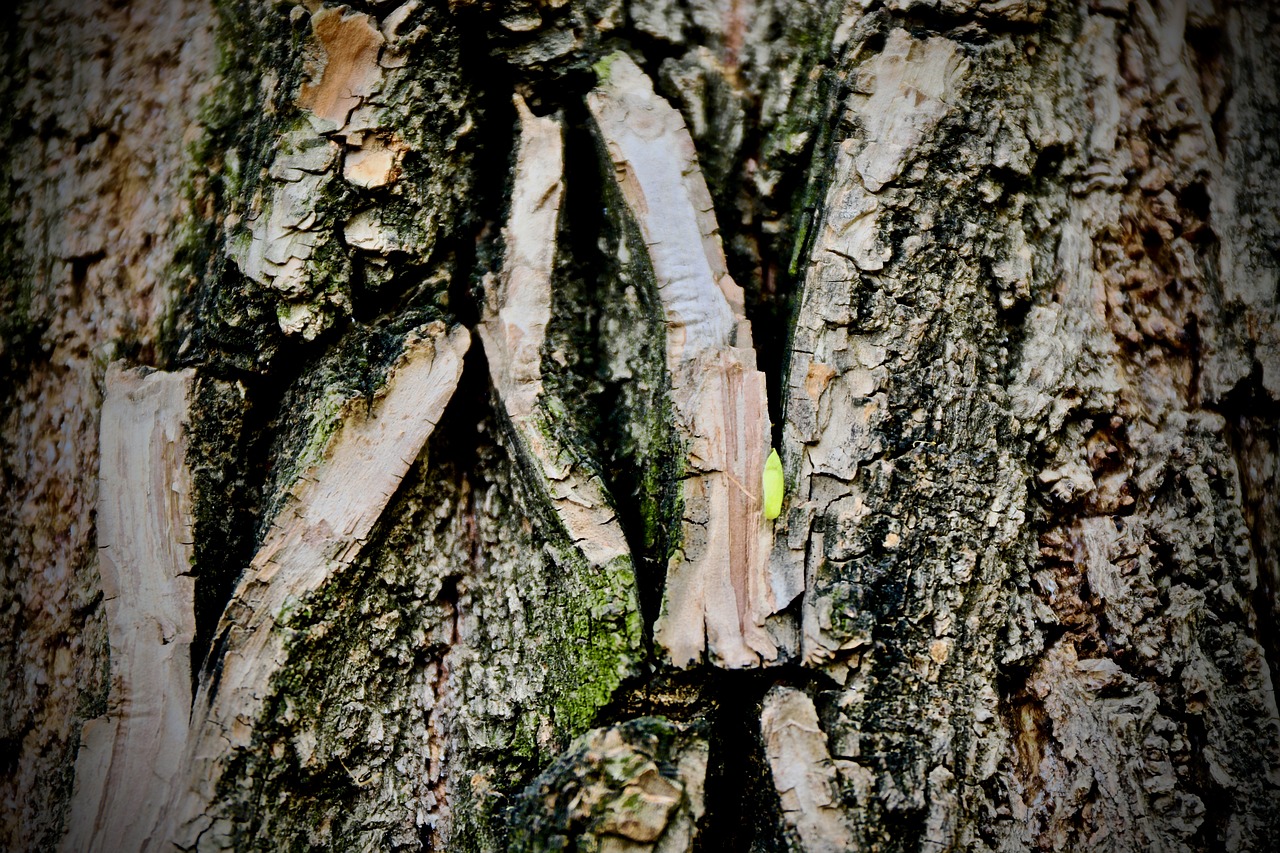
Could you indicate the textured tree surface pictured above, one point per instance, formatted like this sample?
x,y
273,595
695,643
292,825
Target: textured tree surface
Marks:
x,y
388,388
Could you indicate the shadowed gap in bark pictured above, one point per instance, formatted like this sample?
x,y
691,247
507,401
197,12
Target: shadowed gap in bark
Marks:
x,y
1252,419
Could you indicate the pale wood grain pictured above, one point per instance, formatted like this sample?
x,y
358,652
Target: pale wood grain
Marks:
x,y
132,756
718,593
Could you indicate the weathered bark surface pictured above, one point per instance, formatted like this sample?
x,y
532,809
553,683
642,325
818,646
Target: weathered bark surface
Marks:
x,y
1002,275
637,786
1007,283
100,107
318,534
803,771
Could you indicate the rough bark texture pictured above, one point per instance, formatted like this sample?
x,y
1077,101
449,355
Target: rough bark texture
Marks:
x,y
997,279
318,534
101,105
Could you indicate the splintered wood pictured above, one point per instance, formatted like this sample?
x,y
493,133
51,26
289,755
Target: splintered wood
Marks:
x,y
131,757
518,304
718,597
514,329
322,530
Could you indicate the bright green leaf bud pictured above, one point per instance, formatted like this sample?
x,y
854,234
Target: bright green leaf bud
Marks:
x,y
774,486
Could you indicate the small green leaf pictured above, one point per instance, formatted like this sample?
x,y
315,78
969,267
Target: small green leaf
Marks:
x,y
774,486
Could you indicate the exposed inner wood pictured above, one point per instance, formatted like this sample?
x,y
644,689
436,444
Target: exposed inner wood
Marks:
x,y
321,532
102,107
803,773
131,757
718,596
514,329
518,303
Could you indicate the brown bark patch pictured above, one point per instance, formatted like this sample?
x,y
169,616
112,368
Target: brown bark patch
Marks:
x,y
350,71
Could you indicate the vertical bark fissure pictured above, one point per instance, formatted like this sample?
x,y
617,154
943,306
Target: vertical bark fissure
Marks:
x,y
1027,410
717,396
627,377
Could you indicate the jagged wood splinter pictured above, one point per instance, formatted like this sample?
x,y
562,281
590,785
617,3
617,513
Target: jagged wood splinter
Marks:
x,y
320,532
719,598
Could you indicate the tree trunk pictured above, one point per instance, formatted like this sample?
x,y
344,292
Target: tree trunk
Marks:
x,y
390,390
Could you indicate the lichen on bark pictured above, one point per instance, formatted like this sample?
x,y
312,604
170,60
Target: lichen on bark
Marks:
x,y
1026,406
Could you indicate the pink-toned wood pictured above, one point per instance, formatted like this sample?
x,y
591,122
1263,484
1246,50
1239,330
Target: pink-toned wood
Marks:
x,y
719,595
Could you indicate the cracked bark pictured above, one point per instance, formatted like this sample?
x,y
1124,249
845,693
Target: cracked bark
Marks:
x,y
1001,274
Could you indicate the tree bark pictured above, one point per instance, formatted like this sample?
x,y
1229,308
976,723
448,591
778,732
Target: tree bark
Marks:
x,y
389,388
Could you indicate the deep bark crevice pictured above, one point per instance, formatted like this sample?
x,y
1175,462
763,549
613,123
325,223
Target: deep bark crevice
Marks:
x,y
626,333
742,805
1251,421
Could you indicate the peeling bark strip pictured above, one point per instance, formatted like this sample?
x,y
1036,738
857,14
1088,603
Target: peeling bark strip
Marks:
x,y
348,70
518,304
517,310
718,596
321,532
802,771
280,247
130,757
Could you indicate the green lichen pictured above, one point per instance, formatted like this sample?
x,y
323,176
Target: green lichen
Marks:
x,y
597,636
603,67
